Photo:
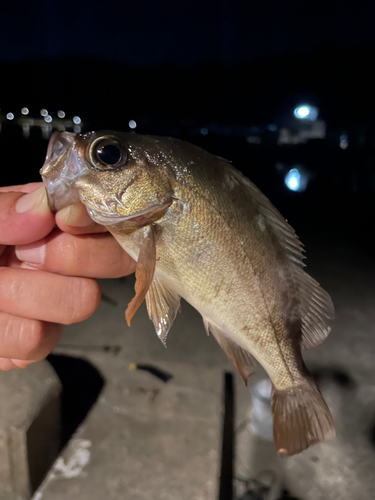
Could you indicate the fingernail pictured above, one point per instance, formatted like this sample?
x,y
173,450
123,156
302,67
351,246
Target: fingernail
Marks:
x,y
76,216
32,255
31,201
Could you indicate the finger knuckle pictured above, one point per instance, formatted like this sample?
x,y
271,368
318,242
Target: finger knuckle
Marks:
x,y
68,255
32,338
83,300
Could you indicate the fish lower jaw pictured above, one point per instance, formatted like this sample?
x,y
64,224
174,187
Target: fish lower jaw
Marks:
x,y
106,219
111,219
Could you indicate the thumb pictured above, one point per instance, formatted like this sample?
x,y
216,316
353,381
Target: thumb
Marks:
x,y
24,218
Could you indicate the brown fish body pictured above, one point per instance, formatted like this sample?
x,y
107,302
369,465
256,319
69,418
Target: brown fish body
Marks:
x,y
220,244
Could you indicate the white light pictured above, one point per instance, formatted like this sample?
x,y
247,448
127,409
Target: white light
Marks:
x,y
10,116
302,111
76,120
306,112
293,179
204,131
48,118
25,111
132,124
61,114
43,112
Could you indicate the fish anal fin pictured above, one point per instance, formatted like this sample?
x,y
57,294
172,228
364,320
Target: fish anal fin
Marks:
x,y
242,360
162,306
144,272
301,418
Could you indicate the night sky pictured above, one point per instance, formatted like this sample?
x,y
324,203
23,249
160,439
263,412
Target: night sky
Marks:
x,y
186,32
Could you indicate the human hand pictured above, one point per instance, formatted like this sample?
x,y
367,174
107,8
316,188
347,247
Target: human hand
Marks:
x,y
46,274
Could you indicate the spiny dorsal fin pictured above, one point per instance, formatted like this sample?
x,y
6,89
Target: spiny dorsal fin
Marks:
x,y
144,272
162,306
242,360
316,308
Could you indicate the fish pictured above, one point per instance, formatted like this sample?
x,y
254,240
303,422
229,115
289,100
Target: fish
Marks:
x,y
200,230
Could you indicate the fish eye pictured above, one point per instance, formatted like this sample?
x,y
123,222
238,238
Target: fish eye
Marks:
x,y
107,154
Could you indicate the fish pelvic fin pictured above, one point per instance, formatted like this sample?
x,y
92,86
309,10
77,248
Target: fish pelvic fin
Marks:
x,y
301,418
242,360
163,305
144,272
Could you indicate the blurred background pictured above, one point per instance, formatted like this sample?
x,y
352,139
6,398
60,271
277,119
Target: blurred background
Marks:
x,y
284,90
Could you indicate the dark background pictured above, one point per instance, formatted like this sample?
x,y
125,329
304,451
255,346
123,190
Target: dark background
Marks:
x,y
228,68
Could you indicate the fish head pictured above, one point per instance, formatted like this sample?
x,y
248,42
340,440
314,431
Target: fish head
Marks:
x,y
111,173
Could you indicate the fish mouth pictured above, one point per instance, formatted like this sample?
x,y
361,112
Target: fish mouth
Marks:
x,y
110,219
58,145
61,168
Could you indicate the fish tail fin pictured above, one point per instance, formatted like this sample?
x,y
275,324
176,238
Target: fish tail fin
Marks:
x,y
301,418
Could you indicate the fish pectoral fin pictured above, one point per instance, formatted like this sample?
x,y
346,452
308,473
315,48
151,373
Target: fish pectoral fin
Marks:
x,y
144,272
242,360
162,306
301,419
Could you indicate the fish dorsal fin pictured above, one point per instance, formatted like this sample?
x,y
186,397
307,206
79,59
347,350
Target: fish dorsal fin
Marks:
x,y
242,360
162,306
316,308
144,272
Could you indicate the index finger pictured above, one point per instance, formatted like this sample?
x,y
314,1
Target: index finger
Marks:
x,y
24,218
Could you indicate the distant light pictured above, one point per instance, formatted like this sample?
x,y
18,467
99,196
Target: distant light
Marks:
x,y
61,114
10,116
25,111
293,179
48,118
76,120
272,128
43,112
204,131
26,130
344,142
306,112
132,124
46,131
302,112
